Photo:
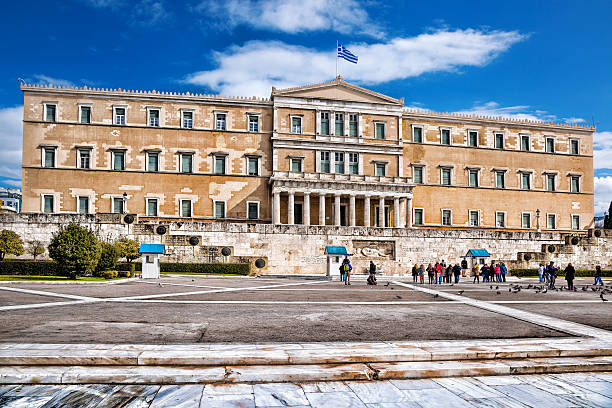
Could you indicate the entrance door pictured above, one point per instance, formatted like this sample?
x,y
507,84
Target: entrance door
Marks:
x,y
298,217
343,215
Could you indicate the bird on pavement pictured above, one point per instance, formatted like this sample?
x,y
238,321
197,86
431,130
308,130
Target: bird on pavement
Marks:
x,y
509,289
160,284
497,287
461,291
602,297
545,290
398,296
436,295
491,287
584,289
498,292
387,284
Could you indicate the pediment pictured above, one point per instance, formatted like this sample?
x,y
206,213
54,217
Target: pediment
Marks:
x,y
337,90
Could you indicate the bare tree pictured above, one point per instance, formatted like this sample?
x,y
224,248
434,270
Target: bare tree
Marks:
x,y
35,248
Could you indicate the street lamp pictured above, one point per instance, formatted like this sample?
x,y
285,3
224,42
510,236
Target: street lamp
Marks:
x,y
538,220
124,202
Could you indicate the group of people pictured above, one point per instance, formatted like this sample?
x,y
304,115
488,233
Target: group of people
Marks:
x,y
548,275
346,268
437,274
496,272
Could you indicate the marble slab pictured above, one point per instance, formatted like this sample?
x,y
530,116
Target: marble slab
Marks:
x,y
280,395
417,369
376,392
68,357
228,401
213,357
329,386
178,396
334,399
228,389
23,402
436,398
142,375
298,373
468,388
532,396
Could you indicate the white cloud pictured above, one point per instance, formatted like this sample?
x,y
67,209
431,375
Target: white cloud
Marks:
x,y
141,12
11,129
521,112
603,194
9,182
290,16
252,69
47,80
602,150
574,120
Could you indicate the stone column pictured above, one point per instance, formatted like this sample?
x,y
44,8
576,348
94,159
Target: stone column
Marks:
x,y
366,211
381,212
276,208
306,208
402,214
352,210
321,209
409,211
290,208
337,210
396,212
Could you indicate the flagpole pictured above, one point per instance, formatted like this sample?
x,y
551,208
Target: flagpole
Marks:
x,y
336,58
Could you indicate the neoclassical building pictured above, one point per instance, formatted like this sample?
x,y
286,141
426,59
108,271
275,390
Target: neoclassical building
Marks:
x,y
324,154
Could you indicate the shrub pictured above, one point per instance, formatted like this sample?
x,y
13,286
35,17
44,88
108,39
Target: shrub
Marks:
x,y
28,267
579,274
76,250
10,244
124,274
110,274
207,268
109,255
129,249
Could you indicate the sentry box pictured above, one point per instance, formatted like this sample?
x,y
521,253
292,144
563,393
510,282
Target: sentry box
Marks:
x,y
151,254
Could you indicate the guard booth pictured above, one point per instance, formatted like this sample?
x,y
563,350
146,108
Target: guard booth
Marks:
x,y
476,256
151,254
335,255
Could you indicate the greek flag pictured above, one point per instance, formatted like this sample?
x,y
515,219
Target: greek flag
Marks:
x,y
346,54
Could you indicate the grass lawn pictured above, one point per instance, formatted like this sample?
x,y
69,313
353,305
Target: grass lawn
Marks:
x,y
198,273
50,278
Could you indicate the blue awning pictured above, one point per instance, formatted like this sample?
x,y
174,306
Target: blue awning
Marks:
x,y
335,250
478,253
152,248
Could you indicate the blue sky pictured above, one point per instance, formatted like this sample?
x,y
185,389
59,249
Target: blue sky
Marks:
x,y
543,60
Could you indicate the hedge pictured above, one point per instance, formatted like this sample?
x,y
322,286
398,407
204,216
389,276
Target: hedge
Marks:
x,y
28,267
579,274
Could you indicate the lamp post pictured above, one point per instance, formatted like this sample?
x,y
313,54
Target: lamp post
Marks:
x,y
124,202
538,220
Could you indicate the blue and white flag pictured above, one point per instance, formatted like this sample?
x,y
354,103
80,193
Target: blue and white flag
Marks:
x,y
346,54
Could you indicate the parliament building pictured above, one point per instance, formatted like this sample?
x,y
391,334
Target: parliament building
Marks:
x,y
331,154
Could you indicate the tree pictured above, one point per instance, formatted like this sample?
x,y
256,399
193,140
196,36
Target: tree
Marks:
x,y
129,249
109,255
35,248
10,244
75,249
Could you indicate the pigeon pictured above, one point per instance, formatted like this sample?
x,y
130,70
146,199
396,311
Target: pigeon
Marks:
x,y
509,289
160,284
461,291
584,289
498,292
602,297
436,295
594,289
545,290
497,287
491,287
398,296
530,286
387,284
392,288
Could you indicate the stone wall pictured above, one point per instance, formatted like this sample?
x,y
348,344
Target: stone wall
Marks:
x,y
297,249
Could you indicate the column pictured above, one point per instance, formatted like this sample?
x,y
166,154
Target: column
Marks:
x,y
381,212
409,211
306,208
352,210
322,209
366,211
402,223
337,210
290,208
276,208
396,212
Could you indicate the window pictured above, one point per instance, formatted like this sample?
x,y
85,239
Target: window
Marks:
x,y
253,166
219,164
252,210
353,124
474,218
339,162
296,124
500,219
118,160
473,138
526,220
219,209
380,169
418,218
551,221
575,184
473,176
220,121
500,179
83,205
445,177
339,129
525,143
119,116
186,163
49,158
445,137
154,117
550,145
152,161
417,174
324,162
50,112
48,203
353,163
574,146
447,216
85,114
84,158
499,140
575,222
187,120
380,131
417,134
253,123
296,165
185,208
152,207
550,182
525,181
118,205
325,123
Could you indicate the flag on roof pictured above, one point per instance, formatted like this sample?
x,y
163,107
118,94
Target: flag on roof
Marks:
x,y
346,54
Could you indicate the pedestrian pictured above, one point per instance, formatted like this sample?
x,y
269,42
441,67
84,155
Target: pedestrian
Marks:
x,y
421,273
439,273
372,278
598,275
504,271
414,273
435,270
541,272
464,266
484,271
347,271
476,272
342,274
570,274
430,274
497,271
551,271
457,272
447,273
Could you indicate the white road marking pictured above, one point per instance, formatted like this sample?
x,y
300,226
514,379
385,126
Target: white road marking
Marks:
x,y
45,293
184,284
38,305
285,302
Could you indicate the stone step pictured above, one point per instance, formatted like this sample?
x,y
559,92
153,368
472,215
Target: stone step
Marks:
x,y
295,373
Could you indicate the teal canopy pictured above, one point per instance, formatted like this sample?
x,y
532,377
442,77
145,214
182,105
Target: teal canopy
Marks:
x,y
152,248
478,253
335,250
